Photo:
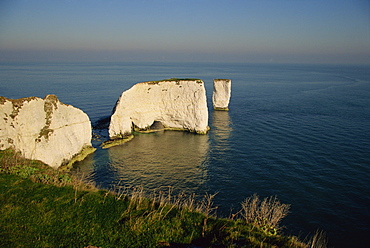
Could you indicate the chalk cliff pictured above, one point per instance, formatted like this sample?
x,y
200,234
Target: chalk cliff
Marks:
x,y
221,94
45,129
169,104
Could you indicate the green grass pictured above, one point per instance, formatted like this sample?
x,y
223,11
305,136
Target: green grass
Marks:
x,y
66,213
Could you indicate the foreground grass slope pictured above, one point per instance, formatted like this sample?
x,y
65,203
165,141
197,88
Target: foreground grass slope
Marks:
x,y
41,207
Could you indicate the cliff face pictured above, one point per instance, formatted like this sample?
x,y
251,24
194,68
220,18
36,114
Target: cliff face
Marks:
x,y
173,104
221,94
44,129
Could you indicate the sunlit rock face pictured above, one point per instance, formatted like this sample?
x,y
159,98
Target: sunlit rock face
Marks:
x,y
178,104
45,129
221,94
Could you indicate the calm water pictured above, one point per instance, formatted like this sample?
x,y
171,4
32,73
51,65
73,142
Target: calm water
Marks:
x,y
301,132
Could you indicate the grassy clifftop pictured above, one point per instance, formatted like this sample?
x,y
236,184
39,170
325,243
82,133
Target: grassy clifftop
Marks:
x,y
42,207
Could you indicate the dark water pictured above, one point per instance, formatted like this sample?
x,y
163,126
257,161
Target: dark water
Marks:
x,y
301,132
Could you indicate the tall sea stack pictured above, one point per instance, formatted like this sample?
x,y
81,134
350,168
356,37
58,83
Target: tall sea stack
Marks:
x,y
221,94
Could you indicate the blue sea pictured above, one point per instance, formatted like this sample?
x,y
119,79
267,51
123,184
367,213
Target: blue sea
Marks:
x,y
300,132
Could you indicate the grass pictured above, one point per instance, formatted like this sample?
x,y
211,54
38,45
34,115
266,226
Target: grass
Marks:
x,y
42,207
318,240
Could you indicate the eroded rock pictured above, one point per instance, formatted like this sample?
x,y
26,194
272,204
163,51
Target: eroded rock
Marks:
x,y
45,129
178,104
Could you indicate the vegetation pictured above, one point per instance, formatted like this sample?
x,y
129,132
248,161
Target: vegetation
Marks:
x,y
221,109
265,214
42,207
175,80
117,141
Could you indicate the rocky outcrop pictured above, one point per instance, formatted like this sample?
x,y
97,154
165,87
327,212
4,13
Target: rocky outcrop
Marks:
x,y
178,104
221,94
45,129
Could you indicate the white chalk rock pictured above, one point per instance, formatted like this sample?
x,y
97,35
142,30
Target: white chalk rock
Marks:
x,y
221,94
174,103
45,129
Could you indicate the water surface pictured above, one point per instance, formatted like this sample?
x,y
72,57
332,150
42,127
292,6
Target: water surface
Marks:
x,y
301,132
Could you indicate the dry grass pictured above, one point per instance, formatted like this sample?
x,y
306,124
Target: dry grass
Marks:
x,y
165,200
318,240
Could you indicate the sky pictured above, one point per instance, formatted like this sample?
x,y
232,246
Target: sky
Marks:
x,y
251,31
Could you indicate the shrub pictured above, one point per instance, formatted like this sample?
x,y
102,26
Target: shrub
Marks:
x,y
266,214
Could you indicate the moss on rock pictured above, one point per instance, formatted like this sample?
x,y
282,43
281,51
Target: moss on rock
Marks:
x,y
116,142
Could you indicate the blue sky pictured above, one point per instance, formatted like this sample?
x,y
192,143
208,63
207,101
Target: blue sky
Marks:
x,y
263,31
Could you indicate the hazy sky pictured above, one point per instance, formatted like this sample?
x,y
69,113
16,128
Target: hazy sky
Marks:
x,y
282,31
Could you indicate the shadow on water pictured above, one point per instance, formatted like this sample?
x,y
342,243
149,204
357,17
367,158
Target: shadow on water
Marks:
x,y
169,158
165,158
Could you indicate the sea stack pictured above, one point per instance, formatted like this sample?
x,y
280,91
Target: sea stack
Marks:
x,y
221,94
172,104
45,129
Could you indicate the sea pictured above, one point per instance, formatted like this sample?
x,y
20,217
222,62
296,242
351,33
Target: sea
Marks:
x,y
300,132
